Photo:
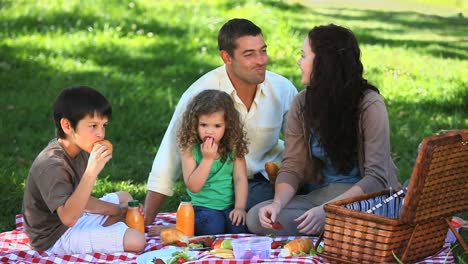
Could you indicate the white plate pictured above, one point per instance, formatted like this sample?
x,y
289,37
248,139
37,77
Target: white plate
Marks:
x,y
164,253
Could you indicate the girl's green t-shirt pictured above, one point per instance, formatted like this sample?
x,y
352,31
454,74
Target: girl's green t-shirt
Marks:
x,y
218,191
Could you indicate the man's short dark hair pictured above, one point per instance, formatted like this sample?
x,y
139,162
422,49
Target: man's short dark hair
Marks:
x,y
75,103
234,29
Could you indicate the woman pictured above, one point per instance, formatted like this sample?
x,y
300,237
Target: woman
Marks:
x,y
337,138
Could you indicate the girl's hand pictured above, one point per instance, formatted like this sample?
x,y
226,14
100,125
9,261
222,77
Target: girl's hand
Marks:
x,y
237,216
268,214
209,149
312,221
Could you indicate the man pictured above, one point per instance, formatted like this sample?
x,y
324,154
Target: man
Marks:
x,y
262,98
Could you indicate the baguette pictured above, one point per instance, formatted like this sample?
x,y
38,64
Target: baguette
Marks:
x,y
172,234
297,246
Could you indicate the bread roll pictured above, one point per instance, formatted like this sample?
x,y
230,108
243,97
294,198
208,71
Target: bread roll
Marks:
x,y
172,234
271,169
105,142
296,247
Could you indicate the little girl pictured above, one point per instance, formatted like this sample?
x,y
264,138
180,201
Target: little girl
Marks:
x,y
213,145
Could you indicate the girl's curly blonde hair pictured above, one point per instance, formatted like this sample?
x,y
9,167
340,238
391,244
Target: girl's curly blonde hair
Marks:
x,y
208,102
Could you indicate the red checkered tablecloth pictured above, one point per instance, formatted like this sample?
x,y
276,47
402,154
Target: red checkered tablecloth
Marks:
x,y
15,248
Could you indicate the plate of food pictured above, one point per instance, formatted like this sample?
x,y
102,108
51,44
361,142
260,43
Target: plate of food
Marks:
x,y
167,255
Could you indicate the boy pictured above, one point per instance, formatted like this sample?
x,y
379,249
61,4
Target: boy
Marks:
x,y
60,215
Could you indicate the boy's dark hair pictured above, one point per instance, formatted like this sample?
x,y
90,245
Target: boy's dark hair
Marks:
x,y
75,103
234,29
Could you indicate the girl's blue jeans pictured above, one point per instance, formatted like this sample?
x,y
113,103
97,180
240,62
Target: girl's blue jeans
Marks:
x,y
213,222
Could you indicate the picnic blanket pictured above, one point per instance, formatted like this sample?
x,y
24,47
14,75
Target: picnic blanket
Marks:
x,y
15,248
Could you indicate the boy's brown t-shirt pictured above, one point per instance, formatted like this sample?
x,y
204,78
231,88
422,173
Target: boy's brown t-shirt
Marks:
x,y
52,179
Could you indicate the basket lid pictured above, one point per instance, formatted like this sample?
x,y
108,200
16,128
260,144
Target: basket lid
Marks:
x,y
439,184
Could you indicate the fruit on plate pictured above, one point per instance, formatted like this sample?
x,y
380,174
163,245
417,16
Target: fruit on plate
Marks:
x,y
223,253
222,243
276,244
203,241
226,243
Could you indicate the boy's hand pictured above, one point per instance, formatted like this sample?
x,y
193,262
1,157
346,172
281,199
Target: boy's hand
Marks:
x,y
98,158
237,216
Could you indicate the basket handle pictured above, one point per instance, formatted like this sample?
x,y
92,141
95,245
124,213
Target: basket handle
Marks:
x,y
457,235
317,243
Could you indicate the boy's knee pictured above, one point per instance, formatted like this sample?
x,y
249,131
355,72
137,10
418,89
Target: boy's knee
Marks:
x,y
134,240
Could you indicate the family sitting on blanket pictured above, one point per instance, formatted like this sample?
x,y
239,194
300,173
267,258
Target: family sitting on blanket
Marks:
x,y
337,134
337,146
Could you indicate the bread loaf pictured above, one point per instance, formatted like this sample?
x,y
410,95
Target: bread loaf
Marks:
x,y
172,234
297,246
271,169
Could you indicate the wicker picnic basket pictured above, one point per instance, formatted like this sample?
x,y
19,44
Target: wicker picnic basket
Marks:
x,y
438,189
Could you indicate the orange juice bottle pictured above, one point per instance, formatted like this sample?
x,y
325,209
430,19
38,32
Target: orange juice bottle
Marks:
x,y
185,217
134,218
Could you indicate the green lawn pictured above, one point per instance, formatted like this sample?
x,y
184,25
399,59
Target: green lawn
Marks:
x,y
143,54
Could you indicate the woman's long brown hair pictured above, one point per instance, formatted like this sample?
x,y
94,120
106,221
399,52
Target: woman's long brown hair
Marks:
x,y
336,89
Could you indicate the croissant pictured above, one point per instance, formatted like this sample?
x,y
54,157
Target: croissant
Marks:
x,y
172,234
296,247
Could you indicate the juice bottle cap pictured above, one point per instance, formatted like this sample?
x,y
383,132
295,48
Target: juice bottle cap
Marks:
x,y
133,203
185,198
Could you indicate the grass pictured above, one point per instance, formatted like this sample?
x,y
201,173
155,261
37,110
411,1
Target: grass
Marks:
x,y
143,54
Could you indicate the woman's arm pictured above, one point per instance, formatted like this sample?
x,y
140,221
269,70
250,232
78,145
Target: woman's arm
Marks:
x,y
295,156
379,171
292,171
